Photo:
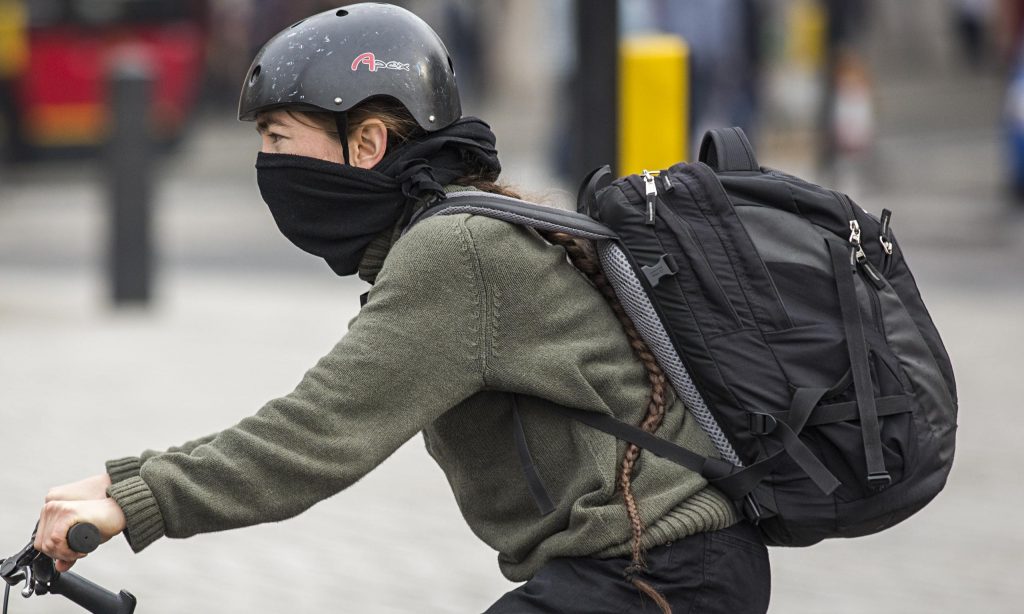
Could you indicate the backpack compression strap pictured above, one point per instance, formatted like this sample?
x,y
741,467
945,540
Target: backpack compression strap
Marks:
x,y
727,149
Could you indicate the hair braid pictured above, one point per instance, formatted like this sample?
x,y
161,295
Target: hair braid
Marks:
x,y
584,257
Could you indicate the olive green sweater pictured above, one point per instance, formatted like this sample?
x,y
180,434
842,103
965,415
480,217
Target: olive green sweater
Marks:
x,y
465,313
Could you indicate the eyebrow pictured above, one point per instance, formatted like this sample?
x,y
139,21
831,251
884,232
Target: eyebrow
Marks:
x,y
264,124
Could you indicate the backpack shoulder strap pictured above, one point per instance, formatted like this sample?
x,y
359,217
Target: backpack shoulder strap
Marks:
x,y
517,211
727,149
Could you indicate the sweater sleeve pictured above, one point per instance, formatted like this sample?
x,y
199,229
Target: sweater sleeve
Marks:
x,y
120,469
416,350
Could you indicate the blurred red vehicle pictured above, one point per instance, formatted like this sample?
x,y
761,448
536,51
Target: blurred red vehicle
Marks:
x,y
54,67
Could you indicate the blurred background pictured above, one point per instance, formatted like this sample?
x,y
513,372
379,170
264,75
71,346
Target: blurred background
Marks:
x,y
147,298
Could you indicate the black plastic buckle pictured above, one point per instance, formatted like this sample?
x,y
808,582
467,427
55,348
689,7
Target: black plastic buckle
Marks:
x,y
762,424
666,266
878,481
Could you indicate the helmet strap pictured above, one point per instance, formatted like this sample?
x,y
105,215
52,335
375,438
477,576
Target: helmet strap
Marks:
x,y
341,121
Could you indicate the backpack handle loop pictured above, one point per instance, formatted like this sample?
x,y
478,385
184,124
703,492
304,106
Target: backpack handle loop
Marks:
x,y
595,180
727,149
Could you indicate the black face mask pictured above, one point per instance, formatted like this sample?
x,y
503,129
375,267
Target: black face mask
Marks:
x,y
328,209
334,211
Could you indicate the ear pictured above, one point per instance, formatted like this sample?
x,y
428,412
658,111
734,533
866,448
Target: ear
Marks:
x,y
367,143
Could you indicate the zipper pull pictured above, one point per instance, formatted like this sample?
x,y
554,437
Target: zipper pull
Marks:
x,y
859,258
883,234
651,192
872,274
665,180
855,242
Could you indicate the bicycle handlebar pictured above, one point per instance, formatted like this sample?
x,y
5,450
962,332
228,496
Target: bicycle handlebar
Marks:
x,y
89,595
42,577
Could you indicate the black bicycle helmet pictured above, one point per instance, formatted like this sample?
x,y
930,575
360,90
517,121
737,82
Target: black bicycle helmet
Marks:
x,y
334,60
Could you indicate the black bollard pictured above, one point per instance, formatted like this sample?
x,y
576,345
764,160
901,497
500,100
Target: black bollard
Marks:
x,y
130,153
596,84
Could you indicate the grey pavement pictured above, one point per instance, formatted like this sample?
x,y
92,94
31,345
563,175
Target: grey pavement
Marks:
x,y
240,314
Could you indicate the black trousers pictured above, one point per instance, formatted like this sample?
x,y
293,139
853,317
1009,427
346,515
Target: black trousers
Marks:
x,y
709,573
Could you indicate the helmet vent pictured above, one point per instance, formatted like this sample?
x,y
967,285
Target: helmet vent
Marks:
x,y
341,13
255,74
450,66
296,23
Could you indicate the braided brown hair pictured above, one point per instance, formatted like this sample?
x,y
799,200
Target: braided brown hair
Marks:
x,y
584,257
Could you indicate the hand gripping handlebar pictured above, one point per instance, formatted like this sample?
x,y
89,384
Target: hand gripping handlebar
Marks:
x,y
40,576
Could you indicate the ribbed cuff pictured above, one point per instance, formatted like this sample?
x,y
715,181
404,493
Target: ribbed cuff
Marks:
x,y
121,469
145,524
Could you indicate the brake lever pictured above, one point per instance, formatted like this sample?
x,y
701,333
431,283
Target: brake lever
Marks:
x,y
19,568
25,566
39,572
15,569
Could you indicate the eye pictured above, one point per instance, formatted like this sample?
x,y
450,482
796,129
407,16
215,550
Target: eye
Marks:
x,y
274,137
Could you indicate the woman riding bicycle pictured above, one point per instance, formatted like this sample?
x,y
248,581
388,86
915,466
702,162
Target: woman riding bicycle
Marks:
x,y
473,328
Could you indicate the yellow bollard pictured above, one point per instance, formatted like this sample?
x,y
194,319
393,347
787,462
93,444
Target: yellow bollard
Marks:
x,y
654,102
805,43
13,38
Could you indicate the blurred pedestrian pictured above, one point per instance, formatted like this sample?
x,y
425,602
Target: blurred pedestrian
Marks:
x,y
473,330
1009,31
971,19
846,116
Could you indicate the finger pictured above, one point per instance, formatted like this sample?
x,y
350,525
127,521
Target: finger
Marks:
x,y
63,566
57,544
93,487
59,551
60,493
42,527
56,493
51,535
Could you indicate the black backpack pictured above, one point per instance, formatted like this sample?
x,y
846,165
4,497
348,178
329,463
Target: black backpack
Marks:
x,y
785,317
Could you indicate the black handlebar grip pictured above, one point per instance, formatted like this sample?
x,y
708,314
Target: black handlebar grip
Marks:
x,y
83,538
91,596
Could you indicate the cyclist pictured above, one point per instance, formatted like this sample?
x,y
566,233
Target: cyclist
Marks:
x,y
472,327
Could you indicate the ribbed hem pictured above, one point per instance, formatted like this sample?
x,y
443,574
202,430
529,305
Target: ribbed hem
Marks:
x,y
145,524
372,260
121,469
707,510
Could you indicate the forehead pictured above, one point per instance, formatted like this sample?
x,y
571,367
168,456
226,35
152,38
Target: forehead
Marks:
x,y
274,117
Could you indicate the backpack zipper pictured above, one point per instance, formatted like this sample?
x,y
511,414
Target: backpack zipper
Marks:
x,y
876,308
885,238
651,195
859,260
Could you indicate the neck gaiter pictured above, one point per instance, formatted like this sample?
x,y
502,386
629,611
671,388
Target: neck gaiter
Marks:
x,y
334,211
